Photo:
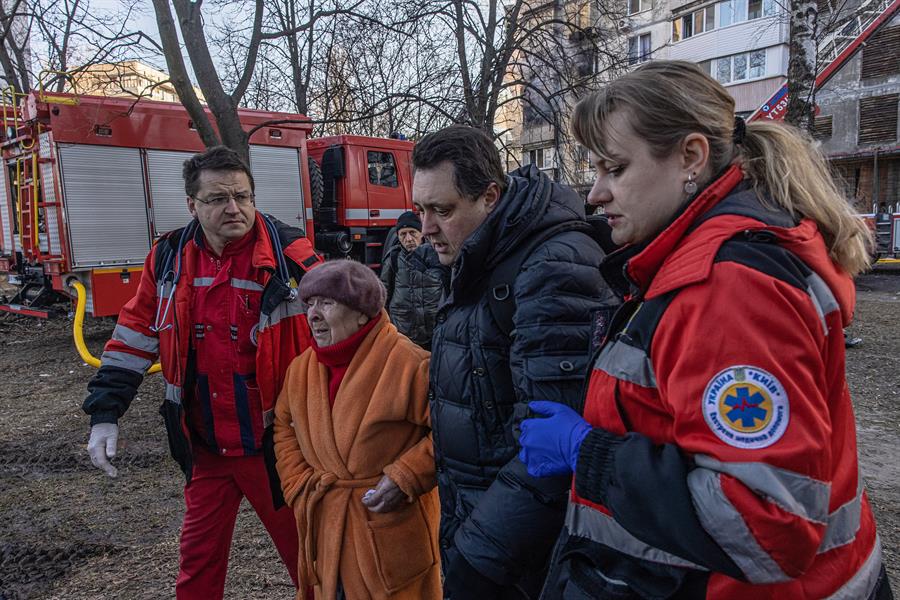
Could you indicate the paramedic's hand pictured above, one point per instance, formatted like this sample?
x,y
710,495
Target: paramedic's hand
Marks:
x,y
550,445
102,446
386,497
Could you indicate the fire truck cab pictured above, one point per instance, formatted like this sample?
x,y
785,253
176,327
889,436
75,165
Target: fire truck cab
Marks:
x,y
88,183
366,186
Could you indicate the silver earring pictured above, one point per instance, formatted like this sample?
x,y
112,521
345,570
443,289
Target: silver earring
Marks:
x,y
690,187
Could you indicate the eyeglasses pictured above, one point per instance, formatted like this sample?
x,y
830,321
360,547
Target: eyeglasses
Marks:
x,y
241,199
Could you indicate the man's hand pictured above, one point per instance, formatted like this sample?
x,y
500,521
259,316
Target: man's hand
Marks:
x,y
102,446
550,445
386,497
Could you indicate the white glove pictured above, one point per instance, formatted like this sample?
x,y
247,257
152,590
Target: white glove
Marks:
x,y
102,446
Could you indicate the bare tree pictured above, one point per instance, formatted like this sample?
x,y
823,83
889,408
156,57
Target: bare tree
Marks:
x,y
48,42
222,104
394,72
14,48
275,26
547,51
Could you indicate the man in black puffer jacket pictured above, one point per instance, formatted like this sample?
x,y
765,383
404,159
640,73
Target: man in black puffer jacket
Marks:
x,y
498,524
414,279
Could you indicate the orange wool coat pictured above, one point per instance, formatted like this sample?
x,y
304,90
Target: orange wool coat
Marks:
x,y
328,458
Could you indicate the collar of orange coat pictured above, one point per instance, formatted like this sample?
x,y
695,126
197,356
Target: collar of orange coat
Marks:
x,y
341,353
333,443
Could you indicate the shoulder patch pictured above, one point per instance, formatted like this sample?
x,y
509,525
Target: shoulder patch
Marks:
x,y
746,407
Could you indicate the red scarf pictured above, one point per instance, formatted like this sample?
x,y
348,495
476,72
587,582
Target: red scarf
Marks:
x,y
337,357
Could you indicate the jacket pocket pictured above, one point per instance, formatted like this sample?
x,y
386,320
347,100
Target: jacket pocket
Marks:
x,y
401,542
556,367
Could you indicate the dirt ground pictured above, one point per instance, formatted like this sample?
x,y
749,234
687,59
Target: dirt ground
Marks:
x,y
69,532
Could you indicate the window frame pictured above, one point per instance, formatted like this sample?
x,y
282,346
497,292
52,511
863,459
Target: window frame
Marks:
x,y
686,26
642,5
748,66
380,181
636,53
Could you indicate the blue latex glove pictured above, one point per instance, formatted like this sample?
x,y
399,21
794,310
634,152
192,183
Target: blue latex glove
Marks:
x,y
550,445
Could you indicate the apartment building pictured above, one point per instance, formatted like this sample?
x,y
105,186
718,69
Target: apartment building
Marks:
x,y
742,43
130,79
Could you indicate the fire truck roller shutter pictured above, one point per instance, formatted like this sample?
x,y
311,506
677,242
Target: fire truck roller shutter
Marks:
x,y
6,227
279,191
50,212
167,194
106,204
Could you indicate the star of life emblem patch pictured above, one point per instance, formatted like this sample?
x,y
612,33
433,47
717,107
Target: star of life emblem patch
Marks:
x,y
746,407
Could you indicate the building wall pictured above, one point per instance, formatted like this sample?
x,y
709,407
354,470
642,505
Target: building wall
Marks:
x,y
131,79
768,33
867,171
840,96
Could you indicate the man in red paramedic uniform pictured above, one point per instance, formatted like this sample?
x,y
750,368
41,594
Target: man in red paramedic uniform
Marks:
x,y
217,305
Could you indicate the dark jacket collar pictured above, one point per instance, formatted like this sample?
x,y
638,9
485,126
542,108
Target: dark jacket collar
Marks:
x,y
531,203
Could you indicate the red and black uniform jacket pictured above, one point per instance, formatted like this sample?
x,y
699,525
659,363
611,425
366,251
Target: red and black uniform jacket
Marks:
x,y
723,461
158,322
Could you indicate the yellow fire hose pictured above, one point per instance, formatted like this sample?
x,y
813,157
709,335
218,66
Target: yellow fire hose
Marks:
x,y
78,329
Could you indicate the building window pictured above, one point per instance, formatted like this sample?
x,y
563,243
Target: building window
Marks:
x,y
382,170
639,49
878,119
542,158
822,127
739,67
754,10
723,70
636,6
879,56
757,64
738,11
693,23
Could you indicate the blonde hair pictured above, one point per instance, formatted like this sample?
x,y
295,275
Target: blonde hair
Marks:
x,y
667,100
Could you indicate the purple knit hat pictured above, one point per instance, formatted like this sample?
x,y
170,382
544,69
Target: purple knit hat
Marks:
x,y
348,282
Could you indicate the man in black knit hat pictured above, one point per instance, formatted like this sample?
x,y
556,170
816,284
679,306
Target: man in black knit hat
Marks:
x,y
414,279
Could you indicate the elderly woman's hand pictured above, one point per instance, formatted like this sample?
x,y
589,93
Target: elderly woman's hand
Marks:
x,y
386,497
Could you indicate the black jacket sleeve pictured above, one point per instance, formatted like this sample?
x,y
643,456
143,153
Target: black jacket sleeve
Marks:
x,y
388,275
110,393
645,488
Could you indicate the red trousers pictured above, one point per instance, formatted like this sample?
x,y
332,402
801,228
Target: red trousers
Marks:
x,y
212,499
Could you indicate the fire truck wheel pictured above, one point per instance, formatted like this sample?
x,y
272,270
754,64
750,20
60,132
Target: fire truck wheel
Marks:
x,y
316,184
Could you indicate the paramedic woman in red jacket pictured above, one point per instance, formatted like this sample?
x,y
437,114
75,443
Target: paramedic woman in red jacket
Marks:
x,y
717,453
217,305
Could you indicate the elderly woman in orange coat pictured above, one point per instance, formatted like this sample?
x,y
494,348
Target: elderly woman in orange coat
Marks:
x,y
353,447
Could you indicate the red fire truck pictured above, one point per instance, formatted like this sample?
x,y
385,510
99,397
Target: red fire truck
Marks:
x,y
90,182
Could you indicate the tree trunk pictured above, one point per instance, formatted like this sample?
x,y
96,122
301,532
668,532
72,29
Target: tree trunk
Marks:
x,y
220,103
802,65
178,74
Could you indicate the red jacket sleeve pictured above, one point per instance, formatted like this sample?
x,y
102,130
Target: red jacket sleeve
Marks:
x,y
740,362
